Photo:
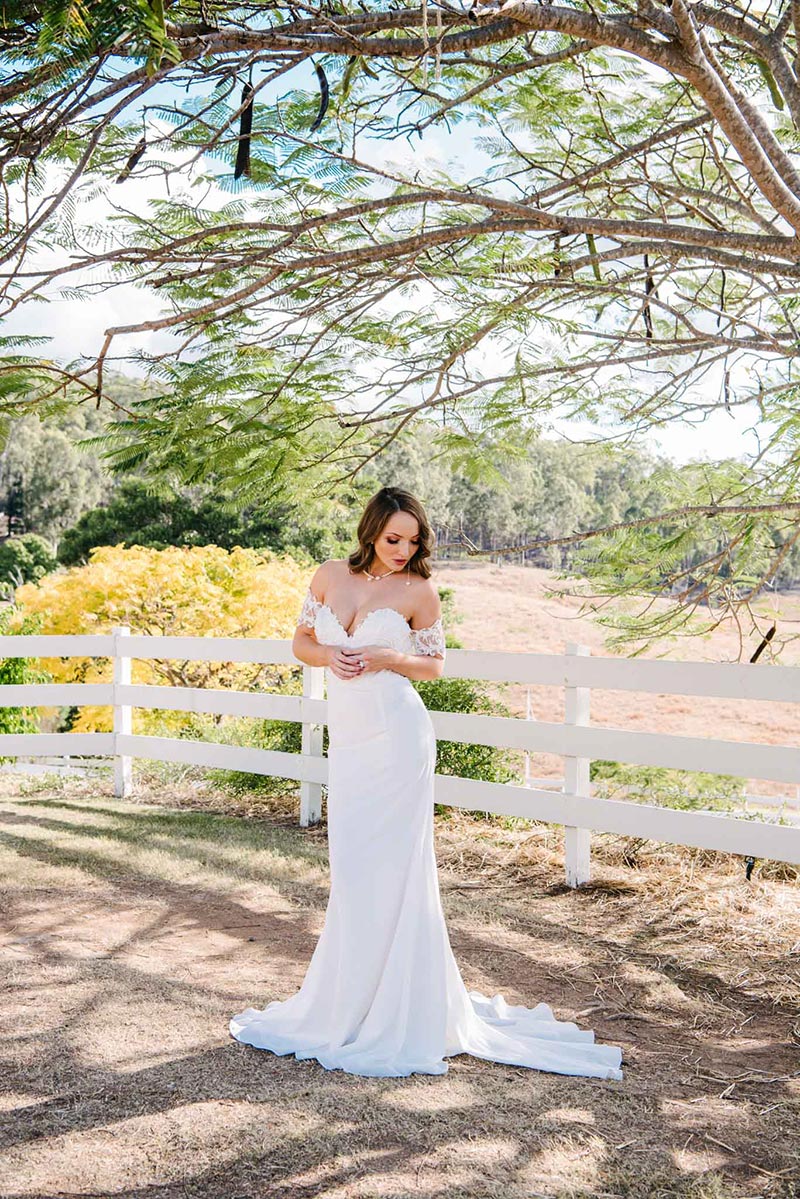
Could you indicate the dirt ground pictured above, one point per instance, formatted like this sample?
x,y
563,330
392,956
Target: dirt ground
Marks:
x,y
130,932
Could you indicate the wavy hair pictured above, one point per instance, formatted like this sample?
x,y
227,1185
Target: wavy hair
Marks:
x,y
384,504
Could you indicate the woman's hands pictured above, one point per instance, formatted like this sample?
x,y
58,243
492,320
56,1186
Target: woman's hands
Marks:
x,y
345,661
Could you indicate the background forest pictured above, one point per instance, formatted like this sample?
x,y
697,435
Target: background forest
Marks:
x,y
58,500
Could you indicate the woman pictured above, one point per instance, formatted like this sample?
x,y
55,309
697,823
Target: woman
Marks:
x,y
383,994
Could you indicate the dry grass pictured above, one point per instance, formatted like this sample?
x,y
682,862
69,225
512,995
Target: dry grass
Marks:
x,y
132,931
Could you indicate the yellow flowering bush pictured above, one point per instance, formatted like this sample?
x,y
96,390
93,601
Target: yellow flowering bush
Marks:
x,y
194,591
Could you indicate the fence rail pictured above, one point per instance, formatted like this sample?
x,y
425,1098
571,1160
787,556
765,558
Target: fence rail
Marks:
x,y
576,740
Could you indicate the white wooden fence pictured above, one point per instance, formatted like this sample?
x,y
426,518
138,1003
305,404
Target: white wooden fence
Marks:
x,y
575,739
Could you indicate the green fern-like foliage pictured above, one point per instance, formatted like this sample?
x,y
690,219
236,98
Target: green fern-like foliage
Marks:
x,y
72,31
19,671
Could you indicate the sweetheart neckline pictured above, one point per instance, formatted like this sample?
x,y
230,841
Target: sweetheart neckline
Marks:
x,y
366,618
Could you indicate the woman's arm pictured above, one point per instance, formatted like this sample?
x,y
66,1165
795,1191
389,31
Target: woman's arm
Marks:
x,y
416,666
305,646
427,617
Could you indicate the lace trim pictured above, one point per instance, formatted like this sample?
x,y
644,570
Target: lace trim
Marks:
x,y
430,640
309,610
425,641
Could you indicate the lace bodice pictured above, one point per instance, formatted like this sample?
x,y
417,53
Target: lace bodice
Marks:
x,y
391,623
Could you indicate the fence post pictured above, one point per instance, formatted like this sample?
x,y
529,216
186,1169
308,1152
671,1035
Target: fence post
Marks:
x,y
311,793
122,713
577,841
528,714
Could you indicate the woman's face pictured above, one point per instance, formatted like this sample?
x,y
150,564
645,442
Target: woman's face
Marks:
x,y
397,541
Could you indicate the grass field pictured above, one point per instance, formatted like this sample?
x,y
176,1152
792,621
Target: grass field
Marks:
x,y
130,932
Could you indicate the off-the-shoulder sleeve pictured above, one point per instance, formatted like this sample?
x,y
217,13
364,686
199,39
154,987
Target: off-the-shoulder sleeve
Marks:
x,y
430,640
309,609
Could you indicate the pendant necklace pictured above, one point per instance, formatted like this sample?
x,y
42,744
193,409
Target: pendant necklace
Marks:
x,y
373,578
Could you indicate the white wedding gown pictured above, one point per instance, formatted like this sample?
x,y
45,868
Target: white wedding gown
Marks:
x,y
383,994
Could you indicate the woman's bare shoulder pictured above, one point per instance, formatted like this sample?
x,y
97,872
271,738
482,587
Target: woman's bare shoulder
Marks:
x,y
427,603
335,566
326,572
426,586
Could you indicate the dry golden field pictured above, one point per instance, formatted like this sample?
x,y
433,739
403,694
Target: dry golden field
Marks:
x,y
506,608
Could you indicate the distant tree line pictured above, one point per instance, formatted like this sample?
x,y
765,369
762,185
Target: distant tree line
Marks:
x,y
57,502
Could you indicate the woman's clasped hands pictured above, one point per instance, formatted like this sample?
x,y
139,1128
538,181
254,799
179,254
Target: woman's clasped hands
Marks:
x,y
349,662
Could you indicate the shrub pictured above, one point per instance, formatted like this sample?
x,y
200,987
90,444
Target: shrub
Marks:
x,y
19,671
198,591
24,559
284,735
469,761
666,787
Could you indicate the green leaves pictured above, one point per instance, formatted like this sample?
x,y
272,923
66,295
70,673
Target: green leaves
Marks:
x,y
709,557
75,31
152,30
547,234
64,22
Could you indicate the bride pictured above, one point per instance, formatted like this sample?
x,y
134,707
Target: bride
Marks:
x,y
383,994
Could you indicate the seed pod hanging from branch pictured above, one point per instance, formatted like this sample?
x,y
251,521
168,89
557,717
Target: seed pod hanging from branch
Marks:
x,y
139,150
649,288
349,72
765,640
324,96
245,126
590,242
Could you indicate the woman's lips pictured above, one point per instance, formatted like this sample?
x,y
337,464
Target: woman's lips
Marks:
x,y
400,561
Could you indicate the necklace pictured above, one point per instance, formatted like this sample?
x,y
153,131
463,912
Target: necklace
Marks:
x,y
374,578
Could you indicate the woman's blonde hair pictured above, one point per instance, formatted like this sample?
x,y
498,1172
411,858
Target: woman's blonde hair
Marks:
x,y
384,504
